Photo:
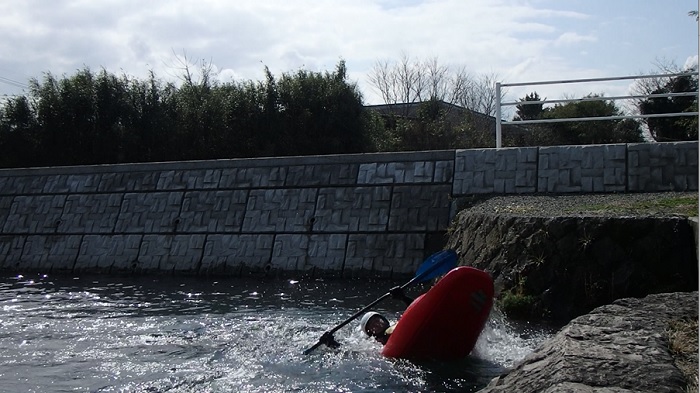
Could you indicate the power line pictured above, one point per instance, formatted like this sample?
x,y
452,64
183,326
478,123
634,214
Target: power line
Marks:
x,y
13,82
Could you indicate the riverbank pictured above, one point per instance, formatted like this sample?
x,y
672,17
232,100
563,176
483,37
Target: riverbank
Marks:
x,y
612,265
560,256
627,346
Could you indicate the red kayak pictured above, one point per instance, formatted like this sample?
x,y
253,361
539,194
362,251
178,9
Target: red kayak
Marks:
x,y
445,322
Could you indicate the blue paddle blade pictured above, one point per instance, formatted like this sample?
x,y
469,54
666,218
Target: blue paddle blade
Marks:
x,y
436,265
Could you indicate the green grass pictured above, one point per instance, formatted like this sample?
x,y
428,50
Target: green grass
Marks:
x,y
517,306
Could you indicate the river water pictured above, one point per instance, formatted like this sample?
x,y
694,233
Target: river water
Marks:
x,y
174,334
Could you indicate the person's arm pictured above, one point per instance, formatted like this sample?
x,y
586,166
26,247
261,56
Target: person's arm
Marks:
x,y
397,293
328,339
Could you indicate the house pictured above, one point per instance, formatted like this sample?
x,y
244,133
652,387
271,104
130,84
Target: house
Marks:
x,y
454,114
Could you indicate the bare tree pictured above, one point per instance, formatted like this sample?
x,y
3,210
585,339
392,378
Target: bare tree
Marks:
x,y
409,81
382,78
439,84
479,93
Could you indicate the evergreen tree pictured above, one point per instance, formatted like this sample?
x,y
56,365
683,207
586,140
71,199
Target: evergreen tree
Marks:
x,y
320,113
529,111
665,129
18,129
98,118
590,132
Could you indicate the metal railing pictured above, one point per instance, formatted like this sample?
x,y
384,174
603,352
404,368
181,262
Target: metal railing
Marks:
x,y
500,104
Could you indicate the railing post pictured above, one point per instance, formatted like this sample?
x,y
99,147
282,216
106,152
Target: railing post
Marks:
x,y
498,115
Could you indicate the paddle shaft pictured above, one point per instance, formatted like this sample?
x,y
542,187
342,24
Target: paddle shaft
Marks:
x,y
374,303
369,306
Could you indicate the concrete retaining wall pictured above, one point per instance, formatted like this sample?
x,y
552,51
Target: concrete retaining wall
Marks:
x,y
378,214
643,167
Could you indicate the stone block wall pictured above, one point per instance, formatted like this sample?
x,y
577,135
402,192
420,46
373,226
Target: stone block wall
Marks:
x,y
600,168
323,216
663,166
643,167
349,215
496,171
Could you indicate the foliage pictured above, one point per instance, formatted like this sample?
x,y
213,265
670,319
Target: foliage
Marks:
x,y
17,133
100,118
435,127
529,111
673,128
320,114
517,306
572,132
516,303
592,132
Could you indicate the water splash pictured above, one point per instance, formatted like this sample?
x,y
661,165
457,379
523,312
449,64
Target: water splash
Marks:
x,y
506,342
188,335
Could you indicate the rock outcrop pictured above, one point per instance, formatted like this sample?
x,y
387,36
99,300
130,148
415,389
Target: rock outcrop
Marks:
x,y
620,347
560,267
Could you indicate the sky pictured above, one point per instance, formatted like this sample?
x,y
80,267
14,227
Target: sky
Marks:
x,y
518,41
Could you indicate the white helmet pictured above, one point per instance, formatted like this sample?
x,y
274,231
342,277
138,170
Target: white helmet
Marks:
x,y
366,318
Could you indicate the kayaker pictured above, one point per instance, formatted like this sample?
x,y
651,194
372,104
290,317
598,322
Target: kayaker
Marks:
x,y
376,325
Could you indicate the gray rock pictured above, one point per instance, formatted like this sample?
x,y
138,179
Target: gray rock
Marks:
x,y
620,347
565,266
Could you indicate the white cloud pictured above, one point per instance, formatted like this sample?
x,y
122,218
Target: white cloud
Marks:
x,y
570,38
515,39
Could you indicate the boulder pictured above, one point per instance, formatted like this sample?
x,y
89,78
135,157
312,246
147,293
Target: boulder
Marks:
x,y
620,347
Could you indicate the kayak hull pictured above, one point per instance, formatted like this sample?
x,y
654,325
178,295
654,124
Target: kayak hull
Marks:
x,y
445,322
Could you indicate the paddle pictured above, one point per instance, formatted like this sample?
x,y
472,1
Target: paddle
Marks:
x,y
436,265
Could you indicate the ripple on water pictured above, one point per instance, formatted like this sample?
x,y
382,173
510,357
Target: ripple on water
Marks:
x,y
197,335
